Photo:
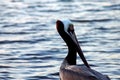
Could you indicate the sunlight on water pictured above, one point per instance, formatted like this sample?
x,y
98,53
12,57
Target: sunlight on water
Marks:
x,y
31,48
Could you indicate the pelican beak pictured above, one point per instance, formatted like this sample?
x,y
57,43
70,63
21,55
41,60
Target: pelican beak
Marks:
x,y
79,50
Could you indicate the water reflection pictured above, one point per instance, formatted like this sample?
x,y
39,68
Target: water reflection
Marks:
x,y
66,0
30,47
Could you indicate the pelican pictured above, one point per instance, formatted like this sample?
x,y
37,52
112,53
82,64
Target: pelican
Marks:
x,y
68,69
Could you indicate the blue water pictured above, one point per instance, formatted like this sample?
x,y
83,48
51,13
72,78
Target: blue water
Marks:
x,y
31,48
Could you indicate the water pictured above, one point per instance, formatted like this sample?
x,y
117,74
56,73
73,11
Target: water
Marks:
x,y
31,48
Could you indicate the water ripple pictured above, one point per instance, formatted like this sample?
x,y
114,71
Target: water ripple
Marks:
x,y
97,20
31,48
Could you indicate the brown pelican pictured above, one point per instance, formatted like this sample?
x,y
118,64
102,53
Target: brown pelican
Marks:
x,y
69,70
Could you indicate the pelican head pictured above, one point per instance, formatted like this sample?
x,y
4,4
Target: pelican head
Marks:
x,y
66,30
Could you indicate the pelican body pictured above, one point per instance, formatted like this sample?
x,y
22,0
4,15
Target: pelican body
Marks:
x,y
69,70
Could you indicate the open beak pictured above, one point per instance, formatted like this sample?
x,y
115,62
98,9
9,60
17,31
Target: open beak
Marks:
x,y
79,50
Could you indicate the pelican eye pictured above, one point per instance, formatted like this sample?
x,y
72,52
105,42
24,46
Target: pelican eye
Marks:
x,y
71,28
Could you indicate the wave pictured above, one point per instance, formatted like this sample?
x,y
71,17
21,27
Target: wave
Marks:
x,y
21,41
14,33
94,20
113,7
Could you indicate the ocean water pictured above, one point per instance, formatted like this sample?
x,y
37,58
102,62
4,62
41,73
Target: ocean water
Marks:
x,y
31,48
